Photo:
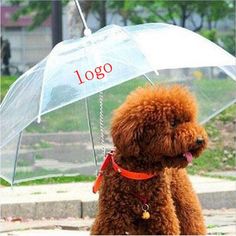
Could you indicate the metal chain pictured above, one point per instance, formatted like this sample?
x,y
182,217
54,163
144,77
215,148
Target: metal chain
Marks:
x,y
101,122
87,32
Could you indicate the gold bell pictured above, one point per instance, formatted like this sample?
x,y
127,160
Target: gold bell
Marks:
x,y
146,215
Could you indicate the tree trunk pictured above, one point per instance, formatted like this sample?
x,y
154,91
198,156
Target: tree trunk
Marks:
x,y
183,18
125,21
56,22
209,23
103,14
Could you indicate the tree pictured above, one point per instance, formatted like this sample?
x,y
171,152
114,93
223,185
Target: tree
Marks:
x,y
41,10
183,13
190,14
126,9
99,9
217,10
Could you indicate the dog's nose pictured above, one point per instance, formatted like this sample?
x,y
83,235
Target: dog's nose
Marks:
x,y
199,141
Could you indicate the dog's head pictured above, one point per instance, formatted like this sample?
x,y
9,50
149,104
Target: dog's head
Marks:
x,y
158,125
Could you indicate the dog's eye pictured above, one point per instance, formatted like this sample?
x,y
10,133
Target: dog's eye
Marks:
x,y
174,123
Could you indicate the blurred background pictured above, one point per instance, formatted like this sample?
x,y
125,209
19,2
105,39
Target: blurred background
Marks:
x,y
33,27
30,29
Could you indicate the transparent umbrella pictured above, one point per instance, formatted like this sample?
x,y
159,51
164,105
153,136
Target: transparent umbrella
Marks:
x,y
114,60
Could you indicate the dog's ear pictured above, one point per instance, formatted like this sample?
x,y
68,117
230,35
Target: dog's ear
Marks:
x,y
127,134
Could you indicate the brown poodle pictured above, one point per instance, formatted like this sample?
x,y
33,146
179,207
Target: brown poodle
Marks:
x,y
156,135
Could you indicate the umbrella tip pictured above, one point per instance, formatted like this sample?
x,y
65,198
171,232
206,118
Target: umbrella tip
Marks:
x,y
39,119
87,32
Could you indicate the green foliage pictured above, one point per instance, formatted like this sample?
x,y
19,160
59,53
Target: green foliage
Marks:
x,y
216,10
128,10
40,10
229,43
210,34
172,11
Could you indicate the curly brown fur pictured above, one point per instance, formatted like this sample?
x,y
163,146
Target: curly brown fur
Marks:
x,y
151,131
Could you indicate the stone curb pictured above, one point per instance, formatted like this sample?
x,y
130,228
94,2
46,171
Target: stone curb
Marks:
x,y
77,208
218,200
39,210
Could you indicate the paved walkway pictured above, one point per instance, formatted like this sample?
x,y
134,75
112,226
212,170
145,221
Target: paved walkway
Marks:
x,y
83,191
77,200
219,222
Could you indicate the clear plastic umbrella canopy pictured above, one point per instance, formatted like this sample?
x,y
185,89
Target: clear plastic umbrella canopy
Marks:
x,y
64,90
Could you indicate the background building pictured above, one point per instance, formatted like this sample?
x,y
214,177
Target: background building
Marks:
x,y
27,47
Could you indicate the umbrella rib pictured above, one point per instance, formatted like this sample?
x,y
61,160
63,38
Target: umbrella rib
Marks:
x,y
41,100
148,79
16,158
219,111
91,132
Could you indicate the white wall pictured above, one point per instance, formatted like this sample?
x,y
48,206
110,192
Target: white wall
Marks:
x,y
28,47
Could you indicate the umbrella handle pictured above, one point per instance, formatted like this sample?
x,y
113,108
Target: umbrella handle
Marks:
x,y
87,31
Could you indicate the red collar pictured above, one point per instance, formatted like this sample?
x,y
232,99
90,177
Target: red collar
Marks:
x,y
125,173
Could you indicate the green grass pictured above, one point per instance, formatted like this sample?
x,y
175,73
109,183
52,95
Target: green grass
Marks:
x,y
214,87
210,92
211,226
212,160
39,171
36,193
24,163
42,144
229,115
6,82
66,119
53,180
212,130
73,117
39,157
